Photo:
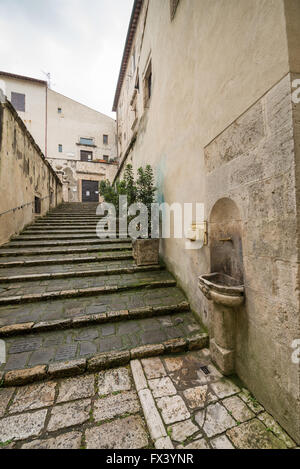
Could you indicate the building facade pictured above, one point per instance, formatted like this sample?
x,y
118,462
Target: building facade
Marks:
x,y
79,142
29,185
207,94
81,147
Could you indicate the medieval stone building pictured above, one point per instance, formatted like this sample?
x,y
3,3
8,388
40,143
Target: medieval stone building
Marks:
x,y
79,142
207,94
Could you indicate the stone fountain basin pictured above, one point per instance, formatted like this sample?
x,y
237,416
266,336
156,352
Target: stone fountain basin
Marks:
x,y
222,289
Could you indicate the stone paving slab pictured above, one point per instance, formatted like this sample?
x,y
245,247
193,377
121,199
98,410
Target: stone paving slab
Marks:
x,y
69,414
207,411
103,411
62,345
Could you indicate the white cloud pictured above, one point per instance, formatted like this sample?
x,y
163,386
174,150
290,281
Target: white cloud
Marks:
x,y
80,42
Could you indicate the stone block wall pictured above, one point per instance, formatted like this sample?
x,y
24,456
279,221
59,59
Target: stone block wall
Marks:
x,y
253,162
24,175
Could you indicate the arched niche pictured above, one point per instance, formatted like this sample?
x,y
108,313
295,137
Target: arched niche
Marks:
x,y
225,234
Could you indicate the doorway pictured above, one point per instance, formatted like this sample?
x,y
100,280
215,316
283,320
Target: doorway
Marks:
x,y
90,191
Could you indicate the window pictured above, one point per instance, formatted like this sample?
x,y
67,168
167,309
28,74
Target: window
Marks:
x,y
148,85
86,141
105,139
86,155
18,101
173,8
37,205
105,158
59,110
60,148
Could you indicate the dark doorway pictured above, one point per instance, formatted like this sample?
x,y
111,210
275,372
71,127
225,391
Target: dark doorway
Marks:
x,y
90,191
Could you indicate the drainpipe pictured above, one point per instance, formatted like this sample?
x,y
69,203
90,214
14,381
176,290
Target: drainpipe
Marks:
x,y
46,123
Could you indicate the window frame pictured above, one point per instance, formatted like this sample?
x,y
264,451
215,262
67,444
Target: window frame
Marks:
x,y
105,139
14,99
148,84
60,148
84,141
87,153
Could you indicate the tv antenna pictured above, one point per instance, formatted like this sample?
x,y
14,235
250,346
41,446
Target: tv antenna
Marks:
x,y
48,77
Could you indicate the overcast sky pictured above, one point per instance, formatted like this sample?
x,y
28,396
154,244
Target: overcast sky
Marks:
x,y
80,42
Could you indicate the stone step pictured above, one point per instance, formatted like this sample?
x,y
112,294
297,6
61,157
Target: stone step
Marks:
x,y
71,308
67,242
90,280
68,219
61,234
94,346
77,273
21,329
11,296
71,237
46,251
66,224
67,259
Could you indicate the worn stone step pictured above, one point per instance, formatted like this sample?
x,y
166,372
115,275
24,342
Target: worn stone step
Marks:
x,y
7,299
67,242
66,267
60,234
21,329
87,224
52,220
68,308
30,261
77,273
136,338
91,280
58,237
101,247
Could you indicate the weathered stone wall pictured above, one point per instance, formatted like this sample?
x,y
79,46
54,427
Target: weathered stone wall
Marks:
x,y
252,163
220,124
24,175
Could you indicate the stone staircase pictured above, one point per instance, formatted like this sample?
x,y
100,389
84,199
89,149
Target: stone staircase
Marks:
x,y
70,302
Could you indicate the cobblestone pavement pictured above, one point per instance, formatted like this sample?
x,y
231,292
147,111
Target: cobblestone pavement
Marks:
x,y
99,410
186,408
165,403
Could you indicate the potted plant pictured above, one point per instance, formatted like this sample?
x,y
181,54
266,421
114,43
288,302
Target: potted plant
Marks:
x,y
146,251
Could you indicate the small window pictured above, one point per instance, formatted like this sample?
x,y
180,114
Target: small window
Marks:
x,y
105,158
60,148
59,110
86,155
173,8
148,85
87,141
37,205
18,101
105,139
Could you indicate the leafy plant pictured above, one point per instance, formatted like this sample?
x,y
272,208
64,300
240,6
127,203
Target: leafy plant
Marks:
x,y
142,191
145,187
129,184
